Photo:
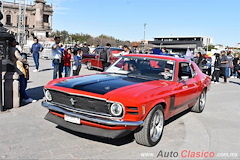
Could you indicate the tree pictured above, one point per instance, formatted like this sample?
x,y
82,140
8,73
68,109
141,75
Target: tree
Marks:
x,y
101,40
63,34
210,47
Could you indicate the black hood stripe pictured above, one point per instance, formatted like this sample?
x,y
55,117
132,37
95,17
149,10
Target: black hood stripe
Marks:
x,y
101,83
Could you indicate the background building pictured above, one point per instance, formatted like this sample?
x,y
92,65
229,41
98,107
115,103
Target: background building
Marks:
x,y
181,44
38,19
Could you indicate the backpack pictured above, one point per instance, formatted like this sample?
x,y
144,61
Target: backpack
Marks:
x,y
103,55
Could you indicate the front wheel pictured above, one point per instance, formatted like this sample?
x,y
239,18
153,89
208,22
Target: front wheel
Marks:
x,y
200,104
89,65
151,131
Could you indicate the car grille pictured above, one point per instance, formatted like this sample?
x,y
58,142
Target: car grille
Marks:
x,y
83,103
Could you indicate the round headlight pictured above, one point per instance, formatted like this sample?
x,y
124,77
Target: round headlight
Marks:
x,y
48,95
116,109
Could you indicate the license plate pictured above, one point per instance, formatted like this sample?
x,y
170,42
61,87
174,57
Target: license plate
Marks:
x,y
72,119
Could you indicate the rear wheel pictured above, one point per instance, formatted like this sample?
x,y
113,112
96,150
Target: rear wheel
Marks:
x,y
200,104
151,131
89,65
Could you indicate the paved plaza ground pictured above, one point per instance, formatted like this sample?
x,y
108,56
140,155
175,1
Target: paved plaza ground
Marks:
x,y
24,134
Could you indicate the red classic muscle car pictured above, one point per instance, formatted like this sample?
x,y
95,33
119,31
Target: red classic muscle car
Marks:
x,y
93,60
138,93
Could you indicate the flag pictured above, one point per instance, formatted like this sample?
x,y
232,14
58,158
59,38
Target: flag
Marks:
x,y
189,55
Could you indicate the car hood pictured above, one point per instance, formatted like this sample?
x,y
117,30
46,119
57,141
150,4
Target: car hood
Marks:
x,y
100,83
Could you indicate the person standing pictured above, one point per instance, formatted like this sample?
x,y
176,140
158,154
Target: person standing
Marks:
x,y
199,59
85,49
236,66
75,48
164,51
76,64
216,72
67,62
229,64
57,58
126,50
20,64
36,48
105,56
80,53
223,65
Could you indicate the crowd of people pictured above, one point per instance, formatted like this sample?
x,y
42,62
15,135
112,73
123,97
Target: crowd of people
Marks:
x,y
225,65
67,59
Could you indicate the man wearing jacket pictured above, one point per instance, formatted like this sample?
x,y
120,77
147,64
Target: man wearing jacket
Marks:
x,y
36,48
223,65
105,56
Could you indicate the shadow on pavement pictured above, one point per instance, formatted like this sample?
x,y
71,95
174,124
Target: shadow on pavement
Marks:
x,y
170,120
117,142
47,69
120,141
234,82
36,93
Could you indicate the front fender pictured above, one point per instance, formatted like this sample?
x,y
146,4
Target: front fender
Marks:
x,y
163,102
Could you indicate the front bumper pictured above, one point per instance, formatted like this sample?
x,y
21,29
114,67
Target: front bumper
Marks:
x,y
82,115
100,132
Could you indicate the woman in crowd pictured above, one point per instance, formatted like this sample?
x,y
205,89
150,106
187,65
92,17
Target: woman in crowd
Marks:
x,y
199,59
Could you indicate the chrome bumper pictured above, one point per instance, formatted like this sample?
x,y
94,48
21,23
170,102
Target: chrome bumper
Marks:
x,y
92,119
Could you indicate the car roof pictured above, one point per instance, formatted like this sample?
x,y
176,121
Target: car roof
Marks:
x,y
157,56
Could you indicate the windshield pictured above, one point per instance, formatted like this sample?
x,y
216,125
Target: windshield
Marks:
x,y
142,67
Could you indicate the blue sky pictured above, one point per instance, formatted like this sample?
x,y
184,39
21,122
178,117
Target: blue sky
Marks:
x,y
124,19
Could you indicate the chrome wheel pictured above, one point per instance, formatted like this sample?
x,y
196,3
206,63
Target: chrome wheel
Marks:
x,y
150,133
89,65
200,104
156,126
202,100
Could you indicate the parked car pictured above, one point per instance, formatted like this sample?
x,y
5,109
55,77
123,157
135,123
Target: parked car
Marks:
x,y
47,51
93,60
138,93
207,65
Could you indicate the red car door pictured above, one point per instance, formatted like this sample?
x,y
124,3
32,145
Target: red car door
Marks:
x,y
96,62
187,87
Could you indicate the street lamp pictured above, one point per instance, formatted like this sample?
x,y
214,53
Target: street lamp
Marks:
x,y
161,45
145,24
144,33
70,39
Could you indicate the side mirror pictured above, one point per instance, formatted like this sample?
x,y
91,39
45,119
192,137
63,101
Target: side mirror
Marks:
x,y
184,78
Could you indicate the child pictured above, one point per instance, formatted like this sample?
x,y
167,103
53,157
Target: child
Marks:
x,y
67,62
75,64
79,61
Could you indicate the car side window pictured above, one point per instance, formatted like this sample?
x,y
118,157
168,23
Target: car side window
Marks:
x,y
194,73
184,70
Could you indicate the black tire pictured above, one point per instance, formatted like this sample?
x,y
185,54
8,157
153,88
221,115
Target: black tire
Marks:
x,y
89,65
199,106
143,135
